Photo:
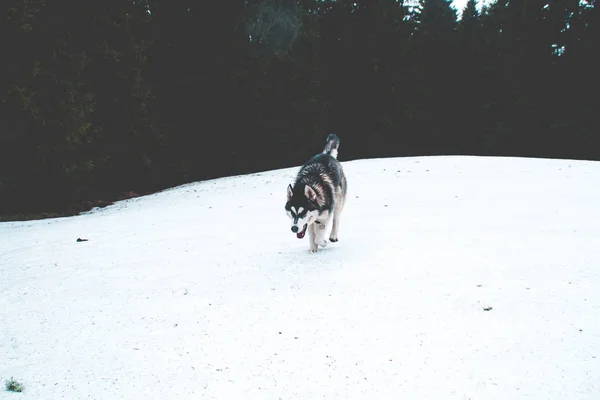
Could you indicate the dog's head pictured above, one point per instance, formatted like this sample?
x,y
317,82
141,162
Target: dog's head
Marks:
x,y
301,207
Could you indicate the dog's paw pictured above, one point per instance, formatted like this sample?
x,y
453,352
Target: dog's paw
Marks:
x,y
333,239
313,248
321,240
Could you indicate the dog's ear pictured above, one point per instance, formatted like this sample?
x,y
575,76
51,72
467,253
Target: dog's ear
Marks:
x,y
290,192
310,193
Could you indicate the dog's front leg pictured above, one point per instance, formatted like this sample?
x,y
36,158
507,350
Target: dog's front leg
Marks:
x,y
321,230
311,238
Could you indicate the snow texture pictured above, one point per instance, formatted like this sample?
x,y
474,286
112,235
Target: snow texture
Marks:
x,y
203,292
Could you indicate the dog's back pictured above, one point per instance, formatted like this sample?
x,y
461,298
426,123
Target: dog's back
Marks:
x,y
324,173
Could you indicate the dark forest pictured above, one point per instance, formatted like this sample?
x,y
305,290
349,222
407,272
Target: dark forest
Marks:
x,y
103,98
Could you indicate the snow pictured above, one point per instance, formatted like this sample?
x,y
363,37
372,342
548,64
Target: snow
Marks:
x,y
203,292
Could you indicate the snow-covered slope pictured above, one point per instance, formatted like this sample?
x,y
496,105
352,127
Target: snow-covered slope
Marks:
x,y
203,292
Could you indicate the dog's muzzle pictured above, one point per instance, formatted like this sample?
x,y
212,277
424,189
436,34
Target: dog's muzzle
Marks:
x,y
299,234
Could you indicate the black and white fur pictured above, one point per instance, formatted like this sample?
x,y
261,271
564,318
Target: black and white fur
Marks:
x,y
316,199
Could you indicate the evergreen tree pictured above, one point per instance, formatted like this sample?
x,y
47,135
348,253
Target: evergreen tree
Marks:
x,y
436,18
435,68
470,20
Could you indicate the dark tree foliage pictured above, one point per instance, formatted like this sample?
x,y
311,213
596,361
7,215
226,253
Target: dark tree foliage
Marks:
x,y
99,98
74,102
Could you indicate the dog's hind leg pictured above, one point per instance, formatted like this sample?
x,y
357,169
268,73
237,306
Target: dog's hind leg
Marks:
x,y
337,210
311,238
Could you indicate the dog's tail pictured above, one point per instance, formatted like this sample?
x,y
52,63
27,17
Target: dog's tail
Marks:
x,y
332,143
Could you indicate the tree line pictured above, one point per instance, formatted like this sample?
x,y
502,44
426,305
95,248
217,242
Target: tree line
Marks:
x,y
102,97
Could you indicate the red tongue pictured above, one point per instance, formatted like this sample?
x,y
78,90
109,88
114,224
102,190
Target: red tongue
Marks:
x,y
301,234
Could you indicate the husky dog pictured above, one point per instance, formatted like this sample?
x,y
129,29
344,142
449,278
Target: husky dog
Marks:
x,y
316,200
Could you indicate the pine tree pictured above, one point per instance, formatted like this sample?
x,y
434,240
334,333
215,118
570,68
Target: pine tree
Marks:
x,y
436,65
436,17
470,17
